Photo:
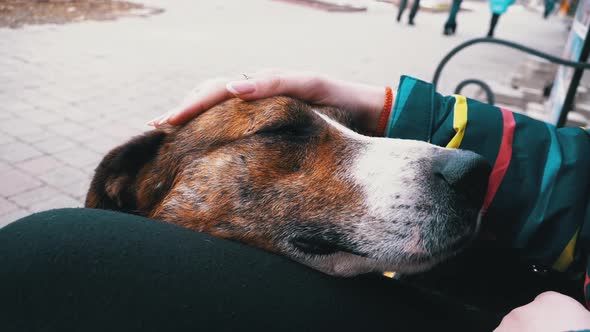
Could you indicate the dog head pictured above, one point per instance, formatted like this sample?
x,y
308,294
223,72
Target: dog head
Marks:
x,y
283,176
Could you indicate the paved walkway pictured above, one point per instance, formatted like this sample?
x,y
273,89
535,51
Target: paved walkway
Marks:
x,y
70,93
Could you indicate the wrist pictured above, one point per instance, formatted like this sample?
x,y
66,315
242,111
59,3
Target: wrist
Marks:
x,y
376,102
364,101
373,101
385,113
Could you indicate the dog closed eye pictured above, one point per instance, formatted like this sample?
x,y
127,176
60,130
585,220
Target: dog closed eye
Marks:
x,y
289,129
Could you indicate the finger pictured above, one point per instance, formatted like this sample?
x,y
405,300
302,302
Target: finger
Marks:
x,y
257,88
154,122
275,84
550,295
164,118
202,100
244,87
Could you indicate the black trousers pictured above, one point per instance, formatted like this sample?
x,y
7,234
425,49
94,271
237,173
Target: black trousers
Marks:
x,y
91,270
493,23
455,7
413,10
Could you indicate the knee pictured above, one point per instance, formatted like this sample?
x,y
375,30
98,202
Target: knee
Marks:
x,y
38,233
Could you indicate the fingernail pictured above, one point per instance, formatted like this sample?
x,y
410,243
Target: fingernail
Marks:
x,y
163,120
240,87
153,121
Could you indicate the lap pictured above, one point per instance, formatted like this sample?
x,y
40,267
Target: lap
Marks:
x,y
82,269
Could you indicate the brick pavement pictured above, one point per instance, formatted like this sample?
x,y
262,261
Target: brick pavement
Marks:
x,y
69,93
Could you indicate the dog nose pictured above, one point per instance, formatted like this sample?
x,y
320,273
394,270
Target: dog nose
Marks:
x,y
466,172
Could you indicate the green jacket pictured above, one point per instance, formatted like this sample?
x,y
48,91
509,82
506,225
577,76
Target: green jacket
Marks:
x,y
539,188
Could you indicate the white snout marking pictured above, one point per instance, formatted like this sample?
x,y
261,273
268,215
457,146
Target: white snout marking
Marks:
x,y
386,168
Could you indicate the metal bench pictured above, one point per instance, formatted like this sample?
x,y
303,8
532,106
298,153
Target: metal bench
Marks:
x,y
570,95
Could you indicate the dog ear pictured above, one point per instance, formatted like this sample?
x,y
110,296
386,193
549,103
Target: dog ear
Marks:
x,y
114,184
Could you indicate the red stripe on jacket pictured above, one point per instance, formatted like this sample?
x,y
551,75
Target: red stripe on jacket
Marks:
x,y
586,282
503,160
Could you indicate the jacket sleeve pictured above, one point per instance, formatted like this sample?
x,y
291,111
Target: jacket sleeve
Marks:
x,y
537,199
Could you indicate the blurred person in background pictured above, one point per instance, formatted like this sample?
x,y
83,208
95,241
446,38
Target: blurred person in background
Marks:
x,y
498,7
549,7
413,11
451,24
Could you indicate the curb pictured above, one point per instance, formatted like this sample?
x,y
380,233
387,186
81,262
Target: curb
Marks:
x,y
327,5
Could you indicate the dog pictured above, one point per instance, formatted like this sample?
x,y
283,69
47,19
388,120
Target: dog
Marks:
x,y
297,180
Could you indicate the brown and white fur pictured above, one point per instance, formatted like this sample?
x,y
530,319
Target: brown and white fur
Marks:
x,y
284,176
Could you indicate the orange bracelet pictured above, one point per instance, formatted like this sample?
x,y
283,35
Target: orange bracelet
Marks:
x,y
384,117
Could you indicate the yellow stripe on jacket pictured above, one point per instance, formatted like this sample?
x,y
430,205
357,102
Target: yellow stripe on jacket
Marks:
x,y
567,255
459,121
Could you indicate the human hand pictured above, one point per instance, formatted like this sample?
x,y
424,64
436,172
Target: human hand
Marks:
x,y
363,101
550,311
